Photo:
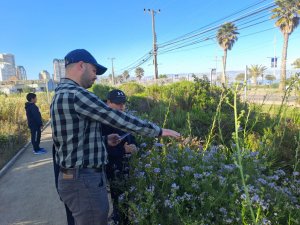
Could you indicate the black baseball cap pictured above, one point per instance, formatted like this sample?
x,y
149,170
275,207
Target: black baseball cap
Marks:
x,y
78,55
116,96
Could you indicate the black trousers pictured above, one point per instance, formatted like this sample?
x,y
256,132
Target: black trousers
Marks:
x,y
70,218
35,138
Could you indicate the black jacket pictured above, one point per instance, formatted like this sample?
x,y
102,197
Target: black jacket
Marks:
x,y
33,114
116,159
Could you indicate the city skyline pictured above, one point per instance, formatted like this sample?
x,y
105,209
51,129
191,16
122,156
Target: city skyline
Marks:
x,y
123,31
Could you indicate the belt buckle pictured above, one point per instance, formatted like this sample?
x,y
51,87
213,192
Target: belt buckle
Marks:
x,y
68,174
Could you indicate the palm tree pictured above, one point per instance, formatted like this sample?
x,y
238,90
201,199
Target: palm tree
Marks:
x,y
226,36
286,15
296,64
139,72
255,71
125,75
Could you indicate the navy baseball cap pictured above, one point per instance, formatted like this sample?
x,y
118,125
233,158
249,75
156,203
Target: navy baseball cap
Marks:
x,y
116,96
78,55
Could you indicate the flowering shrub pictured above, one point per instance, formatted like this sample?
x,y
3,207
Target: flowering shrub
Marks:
x,y
175,184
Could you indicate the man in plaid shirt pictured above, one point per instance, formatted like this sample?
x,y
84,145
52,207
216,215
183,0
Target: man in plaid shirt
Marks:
x,y
80,148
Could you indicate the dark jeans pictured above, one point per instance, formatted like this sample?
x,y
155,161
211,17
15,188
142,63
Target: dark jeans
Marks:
x,y
84,192
70,218
35,138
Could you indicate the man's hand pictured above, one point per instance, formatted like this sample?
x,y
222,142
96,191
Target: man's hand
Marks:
x,y
130,148
113,139
170,133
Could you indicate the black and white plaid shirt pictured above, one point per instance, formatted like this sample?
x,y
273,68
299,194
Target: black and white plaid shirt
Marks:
x,y
76,117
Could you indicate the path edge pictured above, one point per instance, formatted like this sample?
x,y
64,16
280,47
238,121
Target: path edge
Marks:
x,y
8,165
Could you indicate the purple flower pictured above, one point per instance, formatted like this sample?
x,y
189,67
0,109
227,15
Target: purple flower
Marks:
x,y
296,173
243,196
143,145
254,154
255,198
158,144
223,211
175,186
187,168
280,173
262,181
198,175
156,170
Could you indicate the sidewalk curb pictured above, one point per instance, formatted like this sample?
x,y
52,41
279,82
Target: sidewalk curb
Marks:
x,y
14,159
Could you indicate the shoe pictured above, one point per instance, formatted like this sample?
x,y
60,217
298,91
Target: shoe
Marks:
x,y
39,152
43,150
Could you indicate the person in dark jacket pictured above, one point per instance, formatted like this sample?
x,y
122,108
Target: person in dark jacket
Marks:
x,y
35,123
118,155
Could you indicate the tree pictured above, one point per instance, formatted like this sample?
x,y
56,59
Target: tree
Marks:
x,y
125,75
296,63
110,77
270,78
162,76
226,36
286,15
139,73
255,71
240,77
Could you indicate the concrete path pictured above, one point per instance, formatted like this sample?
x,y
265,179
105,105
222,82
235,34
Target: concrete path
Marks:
x,y
27,191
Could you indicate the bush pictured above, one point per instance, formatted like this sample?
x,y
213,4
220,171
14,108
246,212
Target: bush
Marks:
x,y
178,185
101,90
131,88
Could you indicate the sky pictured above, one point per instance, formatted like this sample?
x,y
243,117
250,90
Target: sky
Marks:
x,y
36,32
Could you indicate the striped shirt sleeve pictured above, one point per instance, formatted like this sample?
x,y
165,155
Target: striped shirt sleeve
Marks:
x,y
89,106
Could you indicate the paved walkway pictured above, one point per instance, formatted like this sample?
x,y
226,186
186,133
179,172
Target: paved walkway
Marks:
x,y
27,191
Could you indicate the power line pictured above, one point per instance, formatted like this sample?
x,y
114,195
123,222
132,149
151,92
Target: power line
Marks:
x,y
208,25
193,38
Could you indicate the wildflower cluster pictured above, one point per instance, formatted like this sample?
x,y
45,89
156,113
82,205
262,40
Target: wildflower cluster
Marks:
x,y
179,185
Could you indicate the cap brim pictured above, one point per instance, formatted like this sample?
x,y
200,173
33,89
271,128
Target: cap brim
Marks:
x,y
100,69
118,101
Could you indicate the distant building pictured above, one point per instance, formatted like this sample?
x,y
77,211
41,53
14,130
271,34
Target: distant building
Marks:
x,y
59,69
7,67
21,73
44,75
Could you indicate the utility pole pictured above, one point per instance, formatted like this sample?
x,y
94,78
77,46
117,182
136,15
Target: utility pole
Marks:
x,y
112,70
275,59
153,12
245,83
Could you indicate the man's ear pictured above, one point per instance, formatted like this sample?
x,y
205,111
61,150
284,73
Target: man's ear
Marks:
x,y
81,65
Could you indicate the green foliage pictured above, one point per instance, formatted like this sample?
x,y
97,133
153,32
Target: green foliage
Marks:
x,y
296,63
131,88
162,76
101,90
179,184
14,131
139,72
240,77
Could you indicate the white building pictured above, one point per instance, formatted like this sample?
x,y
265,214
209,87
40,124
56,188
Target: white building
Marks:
x,y
7,67
44,75
21,73
59,69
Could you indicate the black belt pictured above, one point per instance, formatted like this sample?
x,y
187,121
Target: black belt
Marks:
x,y
73,170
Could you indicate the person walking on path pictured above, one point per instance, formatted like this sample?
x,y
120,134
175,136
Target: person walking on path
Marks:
x,y
35,123
118,156
76,118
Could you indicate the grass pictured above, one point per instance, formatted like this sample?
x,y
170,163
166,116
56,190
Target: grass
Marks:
x,y
14,132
